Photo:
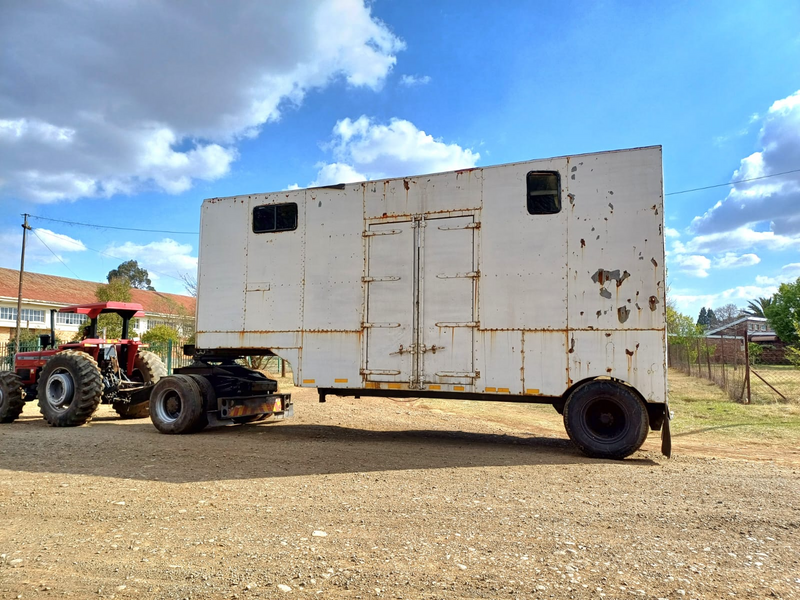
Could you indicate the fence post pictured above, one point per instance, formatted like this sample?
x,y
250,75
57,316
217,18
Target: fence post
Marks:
x,y
722,359
283,367
708,360
169,357
747,363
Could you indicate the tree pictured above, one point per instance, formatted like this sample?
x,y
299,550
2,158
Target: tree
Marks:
x,y
682,328
138,277
161,334
190,283
726,313
783,312
713,321
758,307
702,318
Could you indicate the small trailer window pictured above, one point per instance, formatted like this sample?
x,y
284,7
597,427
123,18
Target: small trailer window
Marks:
x,y
544,193
275,217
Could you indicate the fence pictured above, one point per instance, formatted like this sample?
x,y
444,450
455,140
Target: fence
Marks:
x,y
747,371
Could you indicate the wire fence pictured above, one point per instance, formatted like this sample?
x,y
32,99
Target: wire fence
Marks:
x,y
748,371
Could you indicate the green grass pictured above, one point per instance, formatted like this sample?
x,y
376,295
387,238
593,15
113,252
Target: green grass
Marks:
x,y
702,408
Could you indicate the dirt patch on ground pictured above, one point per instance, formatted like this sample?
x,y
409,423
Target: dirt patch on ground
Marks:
x,y
374,498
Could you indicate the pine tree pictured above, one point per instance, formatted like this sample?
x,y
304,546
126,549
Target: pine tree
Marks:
x,y
702,319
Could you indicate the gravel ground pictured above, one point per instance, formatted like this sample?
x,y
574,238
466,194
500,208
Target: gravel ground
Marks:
x,y
373,498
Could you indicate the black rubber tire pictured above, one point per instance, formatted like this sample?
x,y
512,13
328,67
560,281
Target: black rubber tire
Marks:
x,y
605,419
70,389
147,368
209,397
11,398
176,405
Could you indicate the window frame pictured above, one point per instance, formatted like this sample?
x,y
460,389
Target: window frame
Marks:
x,y
274,208
547,192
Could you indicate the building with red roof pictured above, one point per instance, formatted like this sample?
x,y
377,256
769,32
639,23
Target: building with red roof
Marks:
x,y
41,293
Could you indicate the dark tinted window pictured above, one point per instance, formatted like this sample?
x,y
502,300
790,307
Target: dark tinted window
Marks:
x,y
544,193
275,217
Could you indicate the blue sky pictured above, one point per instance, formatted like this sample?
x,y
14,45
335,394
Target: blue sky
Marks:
x,y
129,114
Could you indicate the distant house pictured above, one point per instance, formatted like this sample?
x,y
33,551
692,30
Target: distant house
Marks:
x,y
757,330
41,293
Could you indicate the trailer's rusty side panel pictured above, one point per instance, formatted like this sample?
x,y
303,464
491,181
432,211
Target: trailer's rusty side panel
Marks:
x,y
474,294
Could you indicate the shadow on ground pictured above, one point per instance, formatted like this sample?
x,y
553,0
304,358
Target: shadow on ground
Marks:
x,y
135,450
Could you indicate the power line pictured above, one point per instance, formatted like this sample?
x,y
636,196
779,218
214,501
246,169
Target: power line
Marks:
x,y
708,187
54,254
96,226
84,246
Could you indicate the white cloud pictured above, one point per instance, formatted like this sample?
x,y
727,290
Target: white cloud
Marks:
x,y
36,252
741,238
162,258
731,260
364,149
412,80
153,94
775,200
671,233
691,264
334,173
690,303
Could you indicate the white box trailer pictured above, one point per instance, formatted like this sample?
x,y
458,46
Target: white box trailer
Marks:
x,y
537,281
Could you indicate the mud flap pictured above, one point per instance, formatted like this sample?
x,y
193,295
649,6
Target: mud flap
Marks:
x,y
666,435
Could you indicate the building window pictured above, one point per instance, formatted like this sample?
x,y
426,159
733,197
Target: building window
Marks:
x,y
763,327
544,192
28,314
271,218
70,319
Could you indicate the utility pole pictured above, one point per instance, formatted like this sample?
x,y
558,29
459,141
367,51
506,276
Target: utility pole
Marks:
x,y
25,228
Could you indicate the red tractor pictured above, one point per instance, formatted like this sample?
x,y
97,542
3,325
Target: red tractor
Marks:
x,y
72,380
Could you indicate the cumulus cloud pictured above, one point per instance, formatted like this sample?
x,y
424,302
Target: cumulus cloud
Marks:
x,y
773,200
36,247
689,302
112,97
739,239
691,264
365,149
412,80
731,260
164,258
671,233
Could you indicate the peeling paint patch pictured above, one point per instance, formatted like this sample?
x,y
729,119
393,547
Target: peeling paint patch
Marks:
x,y
605,293
601,276
653,302
623,313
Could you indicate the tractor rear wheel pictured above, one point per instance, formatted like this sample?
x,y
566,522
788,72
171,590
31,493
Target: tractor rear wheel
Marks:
x,y
176,405
11,400
147,369
70,389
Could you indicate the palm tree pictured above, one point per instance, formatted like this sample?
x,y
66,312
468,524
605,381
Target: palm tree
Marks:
x,y
758,308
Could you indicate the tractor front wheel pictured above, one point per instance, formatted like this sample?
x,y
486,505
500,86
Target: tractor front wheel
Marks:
x,y
147,369
70,389
11,399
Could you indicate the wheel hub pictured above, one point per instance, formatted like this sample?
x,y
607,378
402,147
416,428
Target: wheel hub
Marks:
x,y
60,389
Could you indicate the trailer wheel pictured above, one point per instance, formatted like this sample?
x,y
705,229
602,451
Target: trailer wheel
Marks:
x,y
605,420
147,369
176,405
11,399
70,389
209,398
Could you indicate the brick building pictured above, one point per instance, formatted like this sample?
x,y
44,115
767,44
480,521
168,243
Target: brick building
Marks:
x,y
41,293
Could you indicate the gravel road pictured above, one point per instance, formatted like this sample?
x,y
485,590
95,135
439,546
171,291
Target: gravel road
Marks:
x,y
374,498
